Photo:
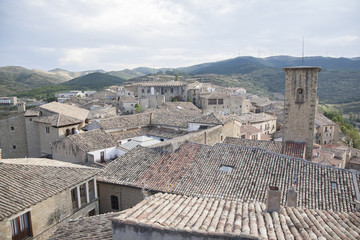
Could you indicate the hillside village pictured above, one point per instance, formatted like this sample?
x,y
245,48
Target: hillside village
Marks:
x,y
178,159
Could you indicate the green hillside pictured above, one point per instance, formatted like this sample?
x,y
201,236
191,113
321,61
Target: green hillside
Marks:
x,y
95,81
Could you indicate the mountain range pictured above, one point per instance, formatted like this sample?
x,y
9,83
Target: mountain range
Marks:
x,y
339,80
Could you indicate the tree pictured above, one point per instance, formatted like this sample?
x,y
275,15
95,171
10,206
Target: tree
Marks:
x,y
138,108
177,77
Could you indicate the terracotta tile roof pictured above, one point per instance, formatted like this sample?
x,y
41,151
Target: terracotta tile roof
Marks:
x,y
58,120
92,140
169,168
95,227
355,160
67,110
32,113
151,168
212,118
233,219
295,149
125,122
253,169
271,146
249,129
129,133
321,120
23,185
171,118
165,133
187,107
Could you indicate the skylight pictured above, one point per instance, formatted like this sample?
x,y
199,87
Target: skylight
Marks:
x,y
226,168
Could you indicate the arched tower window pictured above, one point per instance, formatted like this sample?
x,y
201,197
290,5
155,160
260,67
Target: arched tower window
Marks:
x,y
67,132
299,95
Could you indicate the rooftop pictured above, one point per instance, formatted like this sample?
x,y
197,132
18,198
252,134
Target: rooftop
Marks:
x,y
36,182
124,122
95,227
58,120
92,140
226,218
196,173
321,120
161,84
67,110
272,146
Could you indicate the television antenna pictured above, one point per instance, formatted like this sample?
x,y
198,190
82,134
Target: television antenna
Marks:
x,y
302,56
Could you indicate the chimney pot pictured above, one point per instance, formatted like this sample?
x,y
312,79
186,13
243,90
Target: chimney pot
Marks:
x,y
273,199
291,196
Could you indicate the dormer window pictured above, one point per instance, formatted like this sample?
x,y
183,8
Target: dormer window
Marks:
x,y
299,95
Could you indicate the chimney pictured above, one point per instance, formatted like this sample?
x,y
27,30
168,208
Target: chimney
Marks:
x,y
291,198
273,199
21,107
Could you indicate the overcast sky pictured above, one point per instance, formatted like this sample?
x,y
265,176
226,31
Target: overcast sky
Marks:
x,y
113,35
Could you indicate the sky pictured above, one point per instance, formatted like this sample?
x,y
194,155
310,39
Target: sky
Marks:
x,y
79,35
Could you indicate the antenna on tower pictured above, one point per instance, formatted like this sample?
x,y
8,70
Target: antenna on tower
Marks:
x,y
302,56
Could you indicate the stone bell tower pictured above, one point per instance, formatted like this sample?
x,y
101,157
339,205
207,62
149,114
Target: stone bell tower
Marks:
x,y
300,105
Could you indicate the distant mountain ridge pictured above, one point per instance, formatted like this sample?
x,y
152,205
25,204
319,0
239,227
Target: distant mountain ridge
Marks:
x,y
245,65
340,74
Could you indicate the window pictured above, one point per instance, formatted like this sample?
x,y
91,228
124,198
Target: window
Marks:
x,y
114,202
161,139
74,198
220,101
212,101
91,190
30,119
67,133
299,95
73,130
143,90
14,146
83,194
47,129
172,90
12,128
21,227
226,168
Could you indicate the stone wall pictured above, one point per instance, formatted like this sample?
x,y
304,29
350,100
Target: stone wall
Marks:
x,y
33,137
13,136
127,196
65,150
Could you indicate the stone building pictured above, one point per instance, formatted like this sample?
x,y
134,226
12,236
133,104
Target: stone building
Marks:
x,y
39,195
86,147
170,90
265,122
49,123
13,134
224,103
300,105
325,130
31,133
